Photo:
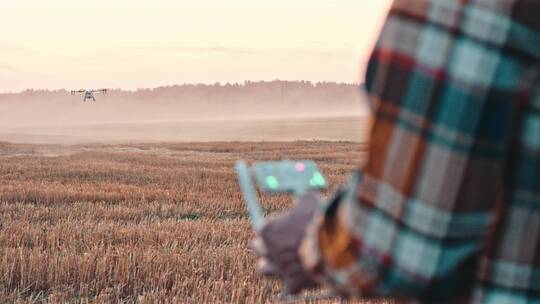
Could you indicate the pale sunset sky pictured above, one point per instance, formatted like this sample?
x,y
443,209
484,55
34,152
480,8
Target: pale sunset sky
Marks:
x,y
133,43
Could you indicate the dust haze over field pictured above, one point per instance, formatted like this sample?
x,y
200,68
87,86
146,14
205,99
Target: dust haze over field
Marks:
x,y
116,201
253,111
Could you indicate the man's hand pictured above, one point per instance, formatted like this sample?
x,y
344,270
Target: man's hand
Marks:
x,y
278,245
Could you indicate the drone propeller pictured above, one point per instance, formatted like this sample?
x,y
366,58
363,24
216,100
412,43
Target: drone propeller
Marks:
x,y
75,92
104,91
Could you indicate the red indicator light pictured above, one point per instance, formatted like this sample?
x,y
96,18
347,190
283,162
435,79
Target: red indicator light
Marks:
x,y
300,166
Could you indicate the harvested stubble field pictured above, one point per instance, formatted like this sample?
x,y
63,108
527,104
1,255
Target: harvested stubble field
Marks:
x,y
138,222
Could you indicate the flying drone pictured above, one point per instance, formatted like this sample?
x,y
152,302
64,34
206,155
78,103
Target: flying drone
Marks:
x,y
89,94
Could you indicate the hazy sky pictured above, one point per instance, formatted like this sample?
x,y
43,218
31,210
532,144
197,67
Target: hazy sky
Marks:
x,y
129,43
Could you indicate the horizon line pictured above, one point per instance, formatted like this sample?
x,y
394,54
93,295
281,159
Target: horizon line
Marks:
x,y
216,83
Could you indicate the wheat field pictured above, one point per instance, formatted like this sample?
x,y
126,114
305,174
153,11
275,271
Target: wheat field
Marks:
x,y
144,223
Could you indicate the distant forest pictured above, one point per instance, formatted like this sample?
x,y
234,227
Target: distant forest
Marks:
x,y
189,101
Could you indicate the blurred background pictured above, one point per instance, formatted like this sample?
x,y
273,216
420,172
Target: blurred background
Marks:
x,y
170,63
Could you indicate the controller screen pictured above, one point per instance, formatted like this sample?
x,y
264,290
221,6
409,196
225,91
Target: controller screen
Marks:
x,y
288,176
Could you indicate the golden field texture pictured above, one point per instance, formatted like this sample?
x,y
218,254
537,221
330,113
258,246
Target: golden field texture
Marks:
x,y
145,223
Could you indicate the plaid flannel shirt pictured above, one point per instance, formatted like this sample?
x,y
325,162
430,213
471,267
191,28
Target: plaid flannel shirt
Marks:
x,y
447,207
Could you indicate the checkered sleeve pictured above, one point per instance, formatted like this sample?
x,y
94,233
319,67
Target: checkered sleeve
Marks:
x,y
509,268
447,205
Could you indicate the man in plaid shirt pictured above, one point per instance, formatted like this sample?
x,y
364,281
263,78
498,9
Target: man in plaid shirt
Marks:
x,y
447,207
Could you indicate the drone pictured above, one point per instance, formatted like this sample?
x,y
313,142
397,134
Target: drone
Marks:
x,y
89,94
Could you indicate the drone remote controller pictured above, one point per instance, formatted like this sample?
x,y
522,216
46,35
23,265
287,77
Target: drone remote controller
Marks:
x,y
287,176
